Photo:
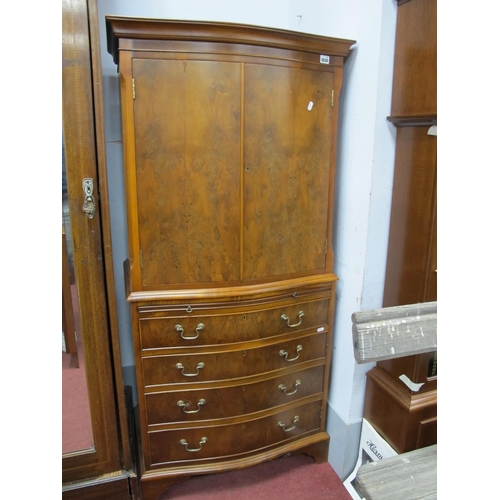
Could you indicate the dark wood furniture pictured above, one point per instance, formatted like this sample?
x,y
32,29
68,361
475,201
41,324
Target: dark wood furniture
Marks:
x,y
406,418
229,144
392,333
103,471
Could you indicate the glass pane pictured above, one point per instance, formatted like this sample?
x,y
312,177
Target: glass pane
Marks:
x,y
76,421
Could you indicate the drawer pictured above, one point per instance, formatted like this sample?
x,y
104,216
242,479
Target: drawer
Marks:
x,y
204,327
221,402
229,364
198,443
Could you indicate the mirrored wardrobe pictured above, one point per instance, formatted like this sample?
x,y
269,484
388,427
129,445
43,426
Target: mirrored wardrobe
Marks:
x,y
96,454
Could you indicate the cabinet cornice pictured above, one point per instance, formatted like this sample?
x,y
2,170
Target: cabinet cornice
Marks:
x,y
168,29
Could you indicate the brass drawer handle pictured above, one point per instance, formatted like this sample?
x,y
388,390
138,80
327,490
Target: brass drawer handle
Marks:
x,y
178,328
284,354
292,427
284,317
183,442
183,405
180,366
282,388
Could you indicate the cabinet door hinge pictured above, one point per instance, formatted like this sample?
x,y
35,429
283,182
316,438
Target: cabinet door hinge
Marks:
x,y
133,88
333,98
140,258
326,246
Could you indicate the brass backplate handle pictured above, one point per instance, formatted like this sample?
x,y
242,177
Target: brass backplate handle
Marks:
x,y
284,317
292,427
200,365
283,388
284,354
183,442
178,328
89,202
183,405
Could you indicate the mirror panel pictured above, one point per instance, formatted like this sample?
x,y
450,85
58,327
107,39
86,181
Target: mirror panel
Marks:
x,y
76,421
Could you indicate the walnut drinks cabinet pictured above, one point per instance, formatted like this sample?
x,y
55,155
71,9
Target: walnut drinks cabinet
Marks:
x,y
229,136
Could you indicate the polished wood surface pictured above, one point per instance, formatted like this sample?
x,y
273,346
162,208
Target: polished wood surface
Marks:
x,y
415,59
233,439
288,119
245,398
411,249
227,325
229,148
122,30
406,420
411,271
245,361
196,206
110,453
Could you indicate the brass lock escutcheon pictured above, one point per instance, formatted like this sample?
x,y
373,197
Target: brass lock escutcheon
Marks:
x,y
89,202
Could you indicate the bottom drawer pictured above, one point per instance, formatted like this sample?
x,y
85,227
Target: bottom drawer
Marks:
x,y
233,439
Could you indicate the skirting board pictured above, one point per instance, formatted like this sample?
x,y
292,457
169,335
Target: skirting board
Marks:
x,y
344,443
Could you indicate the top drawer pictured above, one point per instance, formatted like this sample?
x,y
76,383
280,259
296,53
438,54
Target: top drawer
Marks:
x,y
213,326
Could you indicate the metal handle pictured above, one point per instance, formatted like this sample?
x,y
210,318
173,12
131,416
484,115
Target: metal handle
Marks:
x,y
178,328
284,354
183,442
282,388
180,366
292,427
88,203
183,405
284,317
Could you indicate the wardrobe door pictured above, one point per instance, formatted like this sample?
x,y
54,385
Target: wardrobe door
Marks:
x,y
288,120
187,160
96,456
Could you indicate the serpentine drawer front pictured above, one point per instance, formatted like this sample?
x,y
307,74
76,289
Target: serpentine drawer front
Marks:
x,y
208,403
229,140
236,324
209,365
201,443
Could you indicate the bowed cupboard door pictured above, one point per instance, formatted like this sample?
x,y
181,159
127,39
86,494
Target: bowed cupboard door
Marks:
x,y
288,127
232,176
187,152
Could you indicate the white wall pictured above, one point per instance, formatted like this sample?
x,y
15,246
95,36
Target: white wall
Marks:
x,y
364,170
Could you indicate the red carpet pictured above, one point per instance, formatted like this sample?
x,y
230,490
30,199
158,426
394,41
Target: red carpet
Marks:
x,y
76,422
295,477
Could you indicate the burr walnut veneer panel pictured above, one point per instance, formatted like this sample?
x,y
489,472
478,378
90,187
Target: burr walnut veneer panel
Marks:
x,y
229,156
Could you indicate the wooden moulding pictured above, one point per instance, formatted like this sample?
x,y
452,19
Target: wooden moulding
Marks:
x,y
393,332
169,29
229,292
413,120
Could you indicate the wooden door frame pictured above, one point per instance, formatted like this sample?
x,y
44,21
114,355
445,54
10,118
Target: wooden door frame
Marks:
x,y
85,157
